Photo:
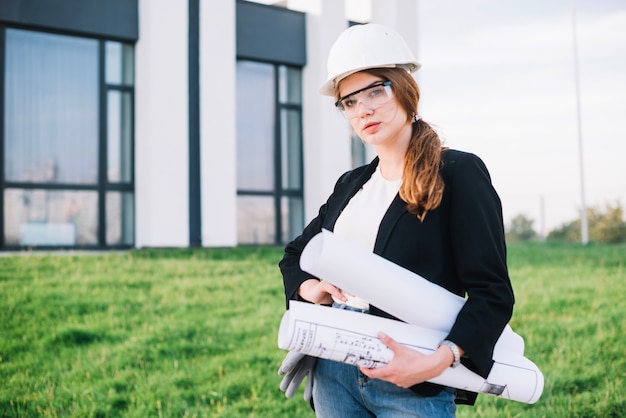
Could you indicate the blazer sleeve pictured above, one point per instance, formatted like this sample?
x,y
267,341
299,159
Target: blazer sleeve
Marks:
x,y
293,275
479,257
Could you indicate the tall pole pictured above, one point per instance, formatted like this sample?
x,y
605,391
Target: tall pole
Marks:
x,y
584,228
542,218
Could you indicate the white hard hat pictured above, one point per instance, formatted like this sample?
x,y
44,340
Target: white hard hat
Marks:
x,y
366,46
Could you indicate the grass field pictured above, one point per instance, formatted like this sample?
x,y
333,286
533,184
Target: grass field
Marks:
x,y
192,333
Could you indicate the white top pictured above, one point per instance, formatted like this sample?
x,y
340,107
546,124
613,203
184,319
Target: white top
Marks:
x,y
360,219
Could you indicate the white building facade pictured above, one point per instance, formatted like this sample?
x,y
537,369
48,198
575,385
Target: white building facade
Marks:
x,y
159,123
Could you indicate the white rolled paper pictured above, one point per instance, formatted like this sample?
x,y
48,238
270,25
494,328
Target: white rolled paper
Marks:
x,y
388,286
352,338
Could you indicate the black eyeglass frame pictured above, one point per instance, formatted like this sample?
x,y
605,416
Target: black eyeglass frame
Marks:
x,y
340,106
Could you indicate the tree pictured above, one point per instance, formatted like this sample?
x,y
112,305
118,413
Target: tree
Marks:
x,y
605,226
568,232
520,229
608,226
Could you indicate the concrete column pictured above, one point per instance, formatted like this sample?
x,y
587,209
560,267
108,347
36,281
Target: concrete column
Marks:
x,y
400,15
218,138
326,132
161,125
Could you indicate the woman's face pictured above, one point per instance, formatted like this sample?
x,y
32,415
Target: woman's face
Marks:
x,y
384,125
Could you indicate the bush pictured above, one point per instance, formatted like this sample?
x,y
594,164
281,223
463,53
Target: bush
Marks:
x,y
605,226
520,229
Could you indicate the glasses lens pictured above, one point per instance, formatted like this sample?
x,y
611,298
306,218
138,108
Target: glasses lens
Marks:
x,y
371,97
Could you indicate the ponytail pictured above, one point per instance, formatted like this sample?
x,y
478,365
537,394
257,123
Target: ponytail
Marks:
x,y
422,186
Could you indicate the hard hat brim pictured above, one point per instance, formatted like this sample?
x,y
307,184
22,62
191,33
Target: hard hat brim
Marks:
x,y
328,88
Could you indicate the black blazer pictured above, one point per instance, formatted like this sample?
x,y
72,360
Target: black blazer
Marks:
x,y
459,246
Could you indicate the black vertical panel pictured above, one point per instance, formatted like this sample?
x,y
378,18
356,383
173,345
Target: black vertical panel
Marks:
x,y
270,34
114,19
195,204
278,180
102,147
2,165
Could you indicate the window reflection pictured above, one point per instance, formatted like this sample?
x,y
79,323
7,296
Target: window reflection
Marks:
x,y
52,139
290,85
358,151
51,108
269,153
291,217
291,149
49,217
119,218
255,220
119,135
119,68
255,126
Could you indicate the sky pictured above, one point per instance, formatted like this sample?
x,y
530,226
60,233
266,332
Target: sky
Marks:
x,y
498,79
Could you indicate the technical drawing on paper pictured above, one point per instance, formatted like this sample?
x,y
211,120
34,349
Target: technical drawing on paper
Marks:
x,y
341,345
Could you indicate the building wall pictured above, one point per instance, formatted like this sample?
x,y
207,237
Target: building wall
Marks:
x,y
218,122
162,160
162,108
161,120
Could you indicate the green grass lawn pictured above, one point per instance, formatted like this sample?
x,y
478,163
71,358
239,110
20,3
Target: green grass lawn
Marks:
x,y
192,333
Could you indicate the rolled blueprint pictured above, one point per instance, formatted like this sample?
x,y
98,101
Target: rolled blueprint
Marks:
x,y
352,338
413,299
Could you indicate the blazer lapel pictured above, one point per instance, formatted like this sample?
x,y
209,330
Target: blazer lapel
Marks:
x,y
396,209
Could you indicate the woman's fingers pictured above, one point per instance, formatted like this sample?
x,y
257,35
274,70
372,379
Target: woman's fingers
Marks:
x,y
333,291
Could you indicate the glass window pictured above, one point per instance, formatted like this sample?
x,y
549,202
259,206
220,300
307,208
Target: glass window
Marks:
x,y
290,83
120,225
54,127
36,217
119,136
292,217
255,126
269,153
51,108
358,151
291,149
119,63
256,222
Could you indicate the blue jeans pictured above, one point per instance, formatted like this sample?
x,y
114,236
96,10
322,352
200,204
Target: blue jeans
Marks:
x,y
342,391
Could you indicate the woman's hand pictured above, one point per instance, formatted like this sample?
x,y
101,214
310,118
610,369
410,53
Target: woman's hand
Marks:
x,y
409,367
320,291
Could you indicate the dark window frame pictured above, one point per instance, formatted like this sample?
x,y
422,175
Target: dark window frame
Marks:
x,y
278,192
102,186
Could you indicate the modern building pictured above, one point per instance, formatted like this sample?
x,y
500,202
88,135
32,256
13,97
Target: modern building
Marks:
x,y
160,123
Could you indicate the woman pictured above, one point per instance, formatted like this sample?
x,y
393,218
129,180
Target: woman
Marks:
x,y
424,207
